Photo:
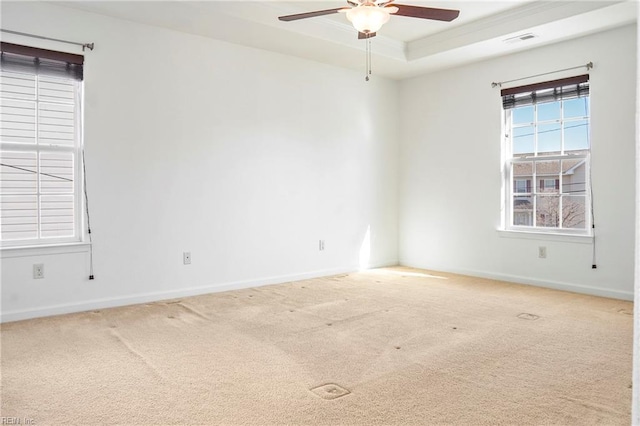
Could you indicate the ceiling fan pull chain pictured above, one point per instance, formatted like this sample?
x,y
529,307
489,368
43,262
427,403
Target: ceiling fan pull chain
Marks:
x,y
368,58
369,41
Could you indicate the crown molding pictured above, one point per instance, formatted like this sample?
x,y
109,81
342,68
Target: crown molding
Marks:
x,y
331,40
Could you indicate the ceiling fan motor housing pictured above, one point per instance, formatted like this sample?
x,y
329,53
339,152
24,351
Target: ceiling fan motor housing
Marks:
x,y
368,18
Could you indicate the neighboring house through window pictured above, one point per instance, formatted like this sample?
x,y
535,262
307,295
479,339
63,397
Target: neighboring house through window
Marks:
x,y
40,146
547,156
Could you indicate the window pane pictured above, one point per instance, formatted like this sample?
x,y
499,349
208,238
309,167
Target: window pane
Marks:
x,y
523,172
56,124
51,89
578,107
523,211
574,212
522,115
18,173
17,85
549,163
523,140
17,121
56,213
56,173
549,138
548,177
549,111
37,183
19,217
574,178
576,135
547,209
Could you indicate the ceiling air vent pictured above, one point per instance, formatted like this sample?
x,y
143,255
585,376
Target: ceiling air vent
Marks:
x,y
519,38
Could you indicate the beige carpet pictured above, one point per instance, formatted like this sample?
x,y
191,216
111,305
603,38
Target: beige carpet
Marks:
x,y
389,346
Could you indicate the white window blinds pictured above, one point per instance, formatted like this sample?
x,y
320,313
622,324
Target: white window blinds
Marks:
x,y
39,151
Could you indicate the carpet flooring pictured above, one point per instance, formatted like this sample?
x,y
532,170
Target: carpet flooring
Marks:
x,y
392,346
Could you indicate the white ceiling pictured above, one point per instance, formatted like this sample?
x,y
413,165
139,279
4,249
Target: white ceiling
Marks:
x,y
404,47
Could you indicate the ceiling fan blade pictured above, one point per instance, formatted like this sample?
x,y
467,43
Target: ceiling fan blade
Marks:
x,y
426,12
309,14
365,35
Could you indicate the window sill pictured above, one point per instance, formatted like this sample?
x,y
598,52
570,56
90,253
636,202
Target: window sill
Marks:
x,y
546,236
44,250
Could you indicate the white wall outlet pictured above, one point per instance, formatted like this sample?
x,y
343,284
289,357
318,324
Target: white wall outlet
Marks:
x,y
186,258
38,271
321,245
542,252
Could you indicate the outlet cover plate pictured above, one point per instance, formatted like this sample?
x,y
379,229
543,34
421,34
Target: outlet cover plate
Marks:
x,y
38,271
542,252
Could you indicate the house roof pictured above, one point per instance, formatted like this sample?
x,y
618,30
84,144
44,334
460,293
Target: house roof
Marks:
x,y
547,168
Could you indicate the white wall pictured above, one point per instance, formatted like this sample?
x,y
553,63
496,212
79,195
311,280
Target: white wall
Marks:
x,y
247,158
450,171
243,157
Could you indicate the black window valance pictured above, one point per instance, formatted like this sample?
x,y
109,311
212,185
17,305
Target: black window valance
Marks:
x,y
549,91
17,58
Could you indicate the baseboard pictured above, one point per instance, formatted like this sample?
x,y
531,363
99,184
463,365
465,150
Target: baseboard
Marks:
x,y
382,264
517,279
173,294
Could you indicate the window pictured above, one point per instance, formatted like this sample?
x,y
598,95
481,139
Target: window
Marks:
x,y
522,185
40,146
547,143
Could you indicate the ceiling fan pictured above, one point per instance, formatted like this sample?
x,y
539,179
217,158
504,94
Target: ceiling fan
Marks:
x,y
368,16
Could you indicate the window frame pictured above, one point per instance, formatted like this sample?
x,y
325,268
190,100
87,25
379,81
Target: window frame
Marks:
x,y
509,180
76,150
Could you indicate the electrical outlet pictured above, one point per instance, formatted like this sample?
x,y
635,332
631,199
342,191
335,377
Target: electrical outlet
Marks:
x,y
321,245
186,258
542,252
38,271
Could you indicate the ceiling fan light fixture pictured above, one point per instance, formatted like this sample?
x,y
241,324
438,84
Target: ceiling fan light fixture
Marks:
x,y
368,19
